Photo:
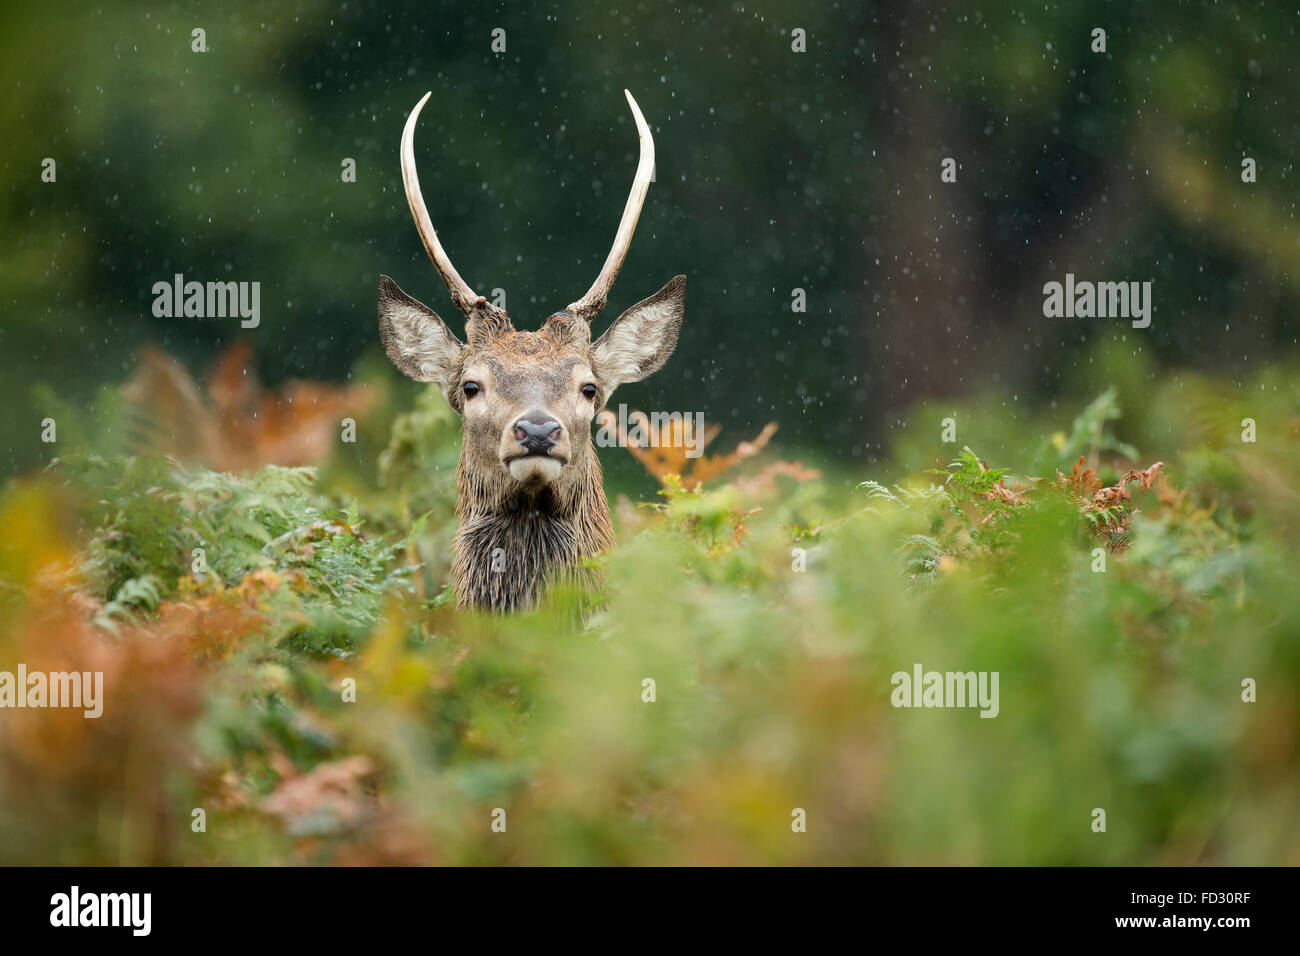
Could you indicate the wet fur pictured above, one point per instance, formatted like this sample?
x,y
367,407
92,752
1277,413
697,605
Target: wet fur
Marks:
x,y
542,535
543,530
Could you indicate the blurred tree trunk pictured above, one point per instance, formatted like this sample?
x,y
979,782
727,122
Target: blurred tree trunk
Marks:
x,y
923,289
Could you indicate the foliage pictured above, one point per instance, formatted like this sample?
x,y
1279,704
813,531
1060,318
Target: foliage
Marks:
x,y
770,618
159,531
673,451
233,423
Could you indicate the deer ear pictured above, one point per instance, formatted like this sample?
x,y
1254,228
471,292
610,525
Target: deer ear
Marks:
x,y
642,338
416,340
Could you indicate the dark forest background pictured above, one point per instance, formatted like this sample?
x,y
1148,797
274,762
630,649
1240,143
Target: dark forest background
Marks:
x,y
776,170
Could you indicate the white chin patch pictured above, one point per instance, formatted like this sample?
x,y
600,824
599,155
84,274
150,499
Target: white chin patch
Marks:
x,y
535,468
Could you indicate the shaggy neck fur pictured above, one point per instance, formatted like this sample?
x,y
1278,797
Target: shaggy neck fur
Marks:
x,y
512,541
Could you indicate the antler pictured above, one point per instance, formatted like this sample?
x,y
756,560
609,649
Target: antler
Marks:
x,y
474,306
590,305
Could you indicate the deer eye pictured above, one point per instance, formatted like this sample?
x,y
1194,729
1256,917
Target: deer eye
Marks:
x,y
470,389
589,391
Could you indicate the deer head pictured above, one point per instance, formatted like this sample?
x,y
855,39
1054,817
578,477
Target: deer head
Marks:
x,y
531,501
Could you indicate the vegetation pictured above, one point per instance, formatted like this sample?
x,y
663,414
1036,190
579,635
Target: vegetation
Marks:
x,y
1122,603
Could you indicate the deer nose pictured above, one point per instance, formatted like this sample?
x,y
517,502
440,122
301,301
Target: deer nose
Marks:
x,y
537,439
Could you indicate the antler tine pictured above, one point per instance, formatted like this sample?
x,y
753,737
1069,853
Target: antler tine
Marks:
x,y
462,296
590,305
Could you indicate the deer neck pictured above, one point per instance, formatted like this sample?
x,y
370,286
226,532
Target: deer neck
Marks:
x,y
512,542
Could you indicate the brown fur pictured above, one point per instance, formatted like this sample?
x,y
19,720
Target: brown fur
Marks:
x,y
540,536
515,535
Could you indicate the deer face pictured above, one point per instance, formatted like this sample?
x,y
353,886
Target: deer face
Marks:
x,y
527,399
526,403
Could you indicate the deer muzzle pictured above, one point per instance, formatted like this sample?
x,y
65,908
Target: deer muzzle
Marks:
x,y
536,448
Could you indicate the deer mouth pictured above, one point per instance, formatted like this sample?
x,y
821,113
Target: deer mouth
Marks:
x,y
535,469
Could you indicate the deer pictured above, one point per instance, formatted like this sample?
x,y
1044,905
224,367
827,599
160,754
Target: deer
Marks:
x,y
531,504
